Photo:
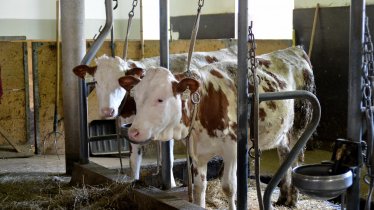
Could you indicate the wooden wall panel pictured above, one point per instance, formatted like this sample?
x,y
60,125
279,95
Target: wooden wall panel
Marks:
x,y
12,111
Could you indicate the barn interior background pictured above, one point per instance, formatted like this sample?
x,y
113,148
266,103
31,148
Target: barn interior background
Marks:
x,y
28,54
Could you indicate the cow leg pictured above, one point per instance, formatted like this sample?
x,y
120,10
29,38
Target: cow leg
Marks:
x,y
229,177
200,182
288,192
135,160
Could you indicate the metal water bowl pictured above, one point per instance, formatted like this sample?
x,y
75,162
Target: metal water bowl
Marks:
x,y
319,182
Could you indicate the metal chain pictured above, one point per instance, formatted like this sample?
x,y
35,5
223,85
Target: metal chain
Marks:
x,y
131,15
134,4
193,36
253,64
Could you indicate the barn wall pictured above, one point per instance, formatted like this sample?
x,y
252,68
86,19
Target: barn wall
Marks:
x,y
12,108
330,59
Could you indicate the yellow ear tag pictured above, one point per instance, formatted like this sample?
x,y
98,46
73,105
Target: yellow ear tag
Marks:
x,y
186,94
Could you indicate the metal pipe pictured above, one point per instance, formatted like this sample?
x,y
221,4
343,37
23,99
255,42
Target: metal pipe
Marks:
x,y
103,34
73,49
141,31
164,62
300,144
242,111
354,116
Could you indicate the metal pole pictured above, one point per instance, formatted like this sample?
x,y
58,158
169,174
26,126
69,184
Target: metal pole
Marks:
x,y
354,123
242,133
164,62
73,49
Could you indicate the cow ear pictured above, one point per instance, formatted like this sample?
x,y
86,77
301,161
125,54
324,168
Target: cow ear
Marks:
x,y
128,82
81,70
180,87
137,72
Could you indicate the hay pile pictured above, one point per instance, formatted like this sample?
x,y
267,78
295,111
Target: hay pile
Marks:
x,y
215,199
54,192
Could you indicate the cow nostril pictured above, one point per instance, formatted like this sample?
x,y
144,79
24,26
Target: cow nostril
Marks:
x,y
133,133
111,110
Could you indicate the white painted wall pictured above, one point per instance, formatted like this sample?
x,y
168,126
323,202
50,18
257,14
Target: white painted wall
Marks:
x,y
189,7
299,4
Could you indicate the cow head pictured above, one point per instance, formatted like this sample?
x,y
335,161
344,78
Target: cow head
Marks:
x,y
109,93
158,104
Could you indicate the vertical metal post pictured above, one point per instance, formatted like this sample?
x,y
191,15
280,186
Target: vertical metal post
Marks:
x,y
242,133
164,62
73,49
356,38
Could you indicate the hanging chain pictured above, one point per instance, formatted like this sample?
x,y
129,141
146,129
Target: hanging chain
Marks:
x,y
253,64
131,15
367,97
193,37
134,4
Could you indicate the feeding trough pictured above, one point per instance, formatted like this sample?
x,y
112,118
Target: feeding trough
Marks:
x,y
321,181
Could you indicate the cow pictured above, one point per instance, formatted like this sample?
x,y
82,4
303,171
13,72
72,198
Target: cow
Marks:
x,y
162,113
110,94
107,71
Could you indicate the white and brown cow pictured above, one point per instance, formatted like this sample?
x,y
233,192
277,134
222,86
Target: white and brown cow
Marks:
x,y
162,114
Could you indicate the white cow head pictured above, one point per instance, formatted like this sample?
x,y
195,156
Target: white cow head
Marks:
x,y
109,93
158,104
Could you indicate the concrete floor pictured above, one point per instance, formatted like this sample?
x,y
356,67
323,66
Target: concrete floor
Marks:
x,y
56,164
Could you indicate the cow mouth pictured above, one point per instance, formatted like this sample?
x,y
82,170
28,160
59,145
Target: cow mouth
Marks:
x,y
124,133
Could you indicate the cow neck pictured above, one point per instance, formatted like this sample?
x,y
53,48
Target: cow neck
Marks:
x,y
192,104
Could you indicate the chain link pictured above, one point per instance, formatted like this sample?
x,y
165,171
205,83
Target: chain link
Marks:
x,y
134,4
367,67
253,64
367,96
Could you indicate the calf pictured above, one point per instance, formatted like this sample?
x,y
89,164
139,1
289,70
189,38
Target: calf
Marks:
x,y
162,114
110,95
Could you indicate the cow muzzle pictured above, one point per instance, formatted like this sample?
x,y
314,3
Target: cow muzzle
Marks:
x,y
131,134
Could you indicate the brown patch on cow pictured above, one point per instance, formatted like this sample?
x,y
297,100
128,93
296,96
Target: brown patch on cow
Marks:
x,y
282,84
270,87
272,105
216,73
210,59
133,65
194,171
137,72
127,107
203,177
213,112
263,62
262,114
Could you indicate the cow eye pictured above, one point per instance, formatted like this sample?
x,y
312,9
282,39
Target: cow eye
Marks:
x,y
160,100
